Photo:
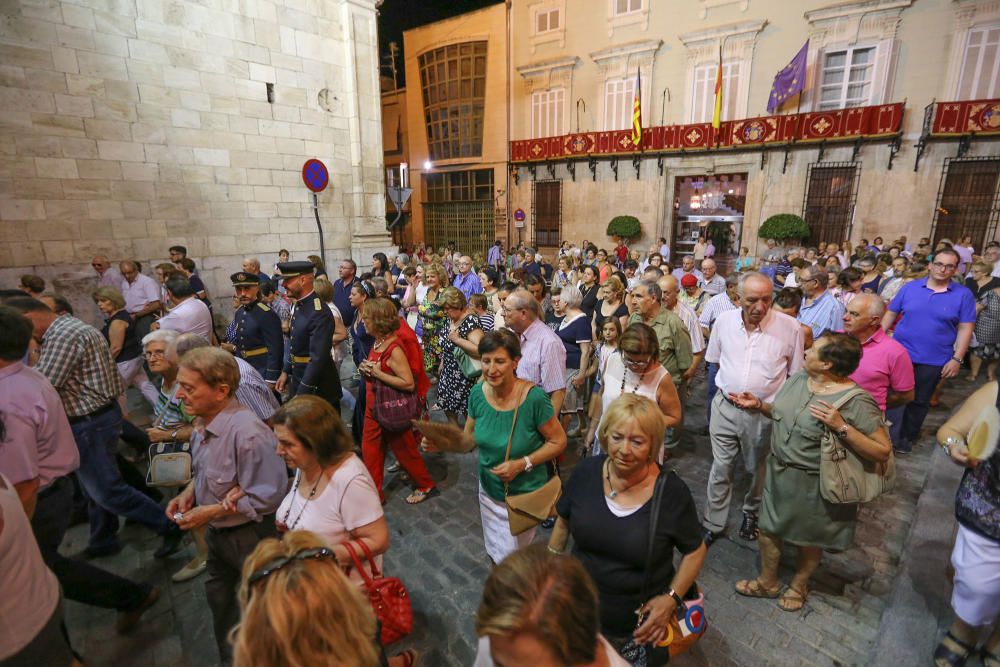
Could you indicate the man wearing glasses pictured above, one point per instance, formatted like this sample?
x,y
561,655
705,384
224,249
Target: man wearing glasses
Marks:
x,y
543,355
109,275
938,317
820,310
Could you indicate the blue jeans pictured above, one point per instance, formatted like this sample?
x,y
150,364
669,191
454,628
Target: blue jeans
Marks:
x,y
713,370
108,494
926,378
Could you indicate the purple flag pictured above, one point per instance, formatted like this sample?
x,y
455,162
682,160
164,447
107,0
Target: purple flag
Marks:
x,y
789,81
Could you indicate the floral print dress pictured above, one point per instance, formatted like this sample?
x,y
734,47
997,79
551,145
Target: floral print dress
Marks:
x,y
433,320
453,387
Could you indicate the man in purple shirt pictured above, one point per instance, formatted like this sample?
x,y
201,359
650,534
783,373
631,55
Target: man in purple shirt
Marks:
x,y
466,280
938,317
38,454
543,355
495,257
885,370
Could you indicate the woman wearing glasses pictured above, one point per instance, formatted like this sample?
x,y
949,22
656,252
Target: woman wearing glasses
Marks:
x,y
636,369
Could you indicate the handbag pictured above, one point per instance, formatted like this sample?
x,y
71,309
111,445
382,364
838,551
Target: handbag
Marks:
x,y
527,510
388,596
169,464
395,409
471,368
845,477
689,621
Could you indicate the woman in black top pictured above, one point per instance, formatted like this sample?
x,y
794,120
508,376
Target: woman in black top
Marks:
x,y
606,507
588,288
126,348
612,305
380,269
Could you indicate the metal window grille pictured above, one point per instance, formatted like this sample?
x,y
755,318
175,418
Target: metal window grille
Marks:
x,y
968,201
830,197
546,211
459,208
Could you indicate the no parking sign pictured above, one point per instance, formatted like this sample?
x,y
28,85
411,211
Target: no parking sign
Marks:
x,y
315,175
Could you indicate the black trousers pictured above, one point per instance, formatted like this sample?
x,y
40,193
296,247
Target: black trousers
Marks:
x,y
80,580
227,549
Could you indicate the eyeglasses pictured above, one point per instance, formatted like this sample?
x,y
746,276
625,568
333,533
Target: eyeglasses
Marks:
x,y
633,363
946,267
154,354
275,565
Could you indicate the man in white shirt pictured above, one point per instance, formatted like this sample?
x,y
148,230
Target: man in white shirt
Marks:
x,y
109,275
142,297
711,281
757,349
189,313
687,267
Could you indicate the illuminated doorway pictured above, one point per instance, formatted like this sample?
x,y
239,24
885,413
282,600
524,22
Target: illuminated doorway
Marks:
x,y
709,206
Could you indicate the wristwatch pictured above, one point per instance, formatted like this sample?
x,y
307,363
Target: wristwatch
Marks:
x,y
677,598
956,360
528,465
949,442
842,431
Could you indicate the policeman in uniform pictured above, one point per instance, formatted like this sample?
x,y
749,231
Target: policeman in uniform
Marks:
x,y
257,338
309,367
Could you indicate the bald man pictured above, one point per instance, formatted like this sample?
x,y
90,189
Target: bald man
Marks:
x,y
109,275
252,265
466,280
885,371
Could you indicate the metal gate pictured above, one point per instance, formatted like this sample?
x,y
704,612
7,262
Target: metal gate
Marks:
x,y
968,201
830,196
470,225
546,212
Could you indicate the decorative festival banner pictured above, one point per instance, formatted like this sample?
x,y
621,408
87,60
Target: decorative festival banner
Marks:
x,y
839,125
979,116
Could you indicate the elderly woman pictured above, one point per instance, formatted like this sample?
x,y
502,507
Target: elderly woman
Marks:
x,y
464,333
635,368
975,597
535,439
792,509
395,364
987,336
120,331
540,608
692,295
574,330
564,275
606,508
333,494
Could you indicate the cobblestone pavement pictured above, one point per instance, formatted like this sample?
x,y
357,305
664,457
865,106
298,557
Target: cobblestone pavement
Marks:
x,y
437,549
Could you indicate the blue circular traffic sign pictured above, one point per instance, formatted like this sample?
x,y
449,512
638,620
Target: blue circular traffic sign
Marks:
x,y
315,175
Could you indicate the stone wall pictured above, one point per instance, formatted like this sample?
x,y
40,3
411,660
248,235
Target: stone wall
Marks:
x,y
128,126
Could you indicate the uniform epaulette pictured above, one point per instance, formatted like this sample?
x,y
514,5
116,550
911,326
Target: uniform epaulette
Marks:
x,y
263,307
317,304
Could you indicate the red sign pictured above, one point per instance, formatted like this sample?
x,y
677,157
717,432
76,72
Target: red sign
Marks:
x,y
519,217
315,175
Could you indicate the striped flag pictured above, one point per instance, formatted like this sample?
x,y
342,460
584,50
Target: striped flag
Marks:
x,y
637,111
717,113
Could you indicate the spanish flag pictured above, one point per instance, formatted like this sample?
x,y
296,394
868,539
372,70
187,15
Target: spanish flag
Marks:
x,y
637,111
717,113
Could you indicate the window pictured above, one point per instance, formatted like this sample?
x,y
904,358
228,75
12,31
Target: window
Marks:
x,y
831,193
981,66
546,20
703,104
619,94
547,112
969,194
453,81
847,77
546,203
622,7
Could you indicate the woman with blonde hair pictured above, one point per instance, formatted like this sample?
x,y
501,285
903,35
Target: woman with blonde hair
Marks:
x,y
126,349
432,317
612,305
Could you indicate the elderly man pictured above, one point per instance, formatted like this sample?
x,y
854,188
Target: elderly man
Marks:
x,y
239,480
109,276
252,265
76,359
253,391
885,370
687,268
674,340
38,454
257,336
543,356
756,348
939,317
671,291
466,279
189,314
771,254
821,311
342,290
142,296
711,281
309,366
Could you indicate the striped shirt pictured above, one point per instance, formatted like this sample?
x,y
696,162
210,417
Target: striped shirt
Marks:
x,y
254,392
77,361
488,321
169,410
717,305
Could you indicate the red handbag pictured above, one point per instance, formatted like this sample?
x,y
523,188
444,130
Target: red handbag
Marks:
x,y
388,596
395,409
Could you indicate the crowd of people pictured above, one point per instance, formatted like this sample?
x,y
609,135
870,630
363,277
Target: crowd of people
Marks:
x,y
589,360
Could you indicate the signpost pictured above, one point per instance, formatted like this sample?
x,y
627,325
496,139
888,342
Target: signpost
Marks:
x,y
316,177
519,217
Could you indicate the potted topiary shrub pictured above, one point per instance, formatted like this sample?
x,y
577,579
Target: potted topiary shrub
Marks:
x,y
784,227
624,227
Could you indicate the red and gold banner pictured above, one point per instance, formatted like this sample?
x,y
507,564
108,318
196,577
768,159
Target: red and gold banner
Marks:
x,y
979,116
839,125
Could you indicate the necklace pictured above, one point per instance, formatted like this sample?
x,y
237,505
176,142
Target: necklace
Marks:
x,y
824,386
379,343
295,489
638,382
607,475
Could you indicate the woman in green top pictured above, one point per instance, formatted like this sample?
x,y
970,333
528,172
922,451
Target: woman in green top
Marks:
x,y
538,439
792,509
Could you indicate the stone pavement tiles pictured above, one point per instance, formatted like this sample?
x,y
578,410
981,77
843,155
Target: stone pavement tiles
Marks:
x,y
437,550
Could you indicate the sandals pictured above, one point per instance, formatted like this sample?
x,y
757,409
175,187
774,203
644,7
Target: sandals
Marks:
x,y
792,599
754,588
409,658
420,495
953,652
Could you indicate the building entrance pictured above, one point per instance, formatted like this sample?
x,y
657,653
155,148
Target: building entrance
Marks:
x,y
709,206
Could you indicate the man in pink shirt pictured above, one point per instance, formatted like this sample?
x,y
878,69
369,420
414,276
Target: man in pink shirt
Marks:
x,y
885,370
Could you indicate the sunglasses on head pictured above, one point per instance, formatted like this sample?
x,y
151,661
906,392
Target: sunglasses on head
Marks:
x,y
275,565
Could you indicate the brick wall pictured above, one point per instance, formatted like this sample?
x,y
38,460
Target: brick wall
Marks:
x,y
127,126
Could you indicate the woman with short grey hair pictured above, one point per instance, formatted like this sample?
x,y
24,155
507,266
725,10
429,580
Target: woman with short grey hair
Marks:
x,y
573,328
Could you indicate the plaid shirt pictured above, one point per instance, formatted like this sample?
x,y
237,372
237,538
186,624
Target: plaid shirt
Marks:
x,y
77,361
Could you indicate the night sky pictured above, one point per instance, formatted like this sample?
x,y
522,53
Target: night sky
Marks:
x,y
395,16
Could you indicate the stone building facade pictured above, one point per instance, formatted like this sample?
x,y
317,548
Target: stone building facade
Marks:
x,y
128,126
